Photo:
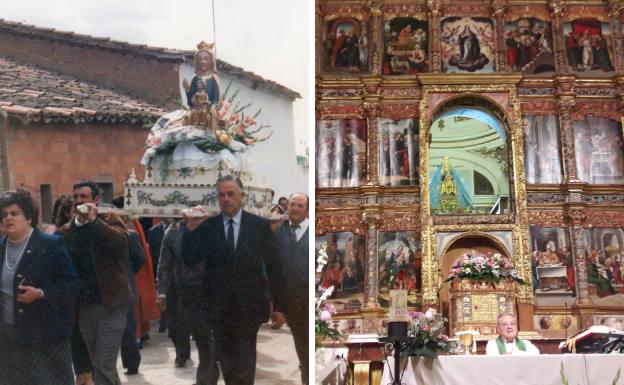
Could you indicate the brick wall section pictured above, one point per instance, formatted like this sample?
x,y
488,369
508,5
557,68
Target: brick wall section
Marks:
x,y
147,78
59,155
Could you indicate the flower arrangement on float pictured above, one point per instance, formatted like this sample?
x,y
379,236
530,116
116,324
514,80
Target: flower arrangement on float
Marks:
x,y
426,332
236,130
491,268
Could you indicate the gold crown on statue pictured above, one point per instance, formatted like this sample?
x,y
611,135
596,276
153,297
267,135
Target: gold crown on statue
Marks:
x,y
203,46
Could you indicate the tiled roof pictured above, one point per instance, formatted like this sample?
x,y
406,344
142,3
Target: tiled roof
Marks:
x,y
125,47
34,94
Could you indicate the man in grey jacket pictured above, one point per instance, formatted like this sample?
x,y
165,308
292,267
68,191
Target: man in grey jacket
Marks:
x,y
187,283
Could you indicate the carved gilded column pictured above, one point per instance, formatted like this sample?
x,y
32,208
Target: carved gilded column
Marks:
x,y
616,8
434,31
498,7
372,219
318,35
620,83
557,8
576,215
372,110
377,38
566,94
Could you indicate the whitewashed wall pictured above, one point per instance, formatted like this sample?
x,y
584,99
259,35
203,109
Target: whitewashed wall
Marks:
x,y
275,160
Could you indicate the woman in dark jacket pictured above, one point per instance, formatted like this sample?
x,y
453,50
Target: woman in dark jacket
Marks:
x,y
37,281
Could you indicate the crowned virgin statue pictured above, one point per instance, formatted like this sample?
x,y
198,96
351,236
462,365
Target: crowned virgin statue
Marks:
x,y
447,190
210,134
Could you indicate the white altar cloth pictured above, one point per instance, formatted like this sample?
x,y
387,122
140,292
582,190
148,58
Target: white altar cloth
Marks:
x,y
580,369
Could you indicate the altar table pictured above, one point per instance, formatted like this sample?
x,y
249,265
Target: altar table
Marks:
x,y
580,369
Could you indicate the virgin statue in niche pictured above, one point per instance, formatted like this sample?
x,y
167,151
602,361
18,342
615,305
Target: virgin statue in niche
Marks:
x,y
447,190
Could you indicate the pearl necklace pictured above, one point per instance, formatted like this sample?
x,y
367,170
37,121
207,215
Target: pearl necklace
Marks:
x,y
13,266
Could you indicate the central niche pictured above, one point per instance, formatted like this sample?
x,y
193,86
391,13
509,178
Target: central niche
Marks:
x,y
468,162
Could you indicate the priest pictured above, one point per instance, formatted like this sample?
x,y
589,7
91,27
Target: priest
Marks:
x,y
508,343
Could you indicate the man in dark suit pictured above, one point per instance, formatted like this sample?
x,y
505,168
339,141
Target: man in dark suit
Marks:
x,y
155,237
292,240
236,247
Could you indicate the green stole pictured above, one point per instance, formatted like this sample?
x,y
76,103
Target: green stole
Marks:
x,y
500,343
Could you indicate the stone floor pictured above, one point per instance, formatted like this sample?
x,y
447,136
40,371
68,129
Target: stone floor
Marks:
x,y
277,362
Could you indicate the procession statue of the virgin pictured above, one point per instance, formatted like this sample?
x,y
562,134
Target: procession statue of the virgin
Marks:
x,y
213,133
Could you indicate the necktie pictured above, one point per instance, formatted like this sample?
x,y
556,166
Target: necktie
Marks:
x,y
293,231
230,235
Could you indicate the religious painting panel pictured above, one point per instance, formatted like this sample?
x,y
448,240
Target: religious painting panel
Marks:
x,y
552,266
399,265
589,46
398,152
542,160
406,46
599,150
340,153
468,163
344,268
556,325
603,253
468,44
529,46
346,46
350,326
615,321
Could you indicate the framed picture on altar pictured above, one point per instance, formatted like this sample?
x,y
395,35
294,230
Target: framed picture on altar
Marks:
x,y
552,266
603,259
589,46
346,46
542,159
406,46
398,152
344,269
399,265
340,153
468,44
599,150
529,46
556,324
611,320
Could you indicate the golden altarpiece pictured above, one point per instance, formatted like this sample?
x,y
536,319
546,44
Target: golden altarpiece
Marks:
x,y
453,127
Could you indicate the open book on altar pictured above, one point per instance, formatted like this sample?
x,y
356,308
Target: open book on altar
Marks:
x,y
596,339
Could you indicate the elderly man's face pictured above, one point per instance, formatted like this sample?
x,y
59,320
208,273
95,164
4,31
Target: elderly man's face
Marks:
x,y
297,208
230,198
507,327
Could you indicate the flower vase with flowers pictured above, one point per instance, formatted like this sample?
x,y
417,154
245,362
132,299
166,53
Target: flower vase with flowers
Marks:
x,y
426,332
491,268
323,313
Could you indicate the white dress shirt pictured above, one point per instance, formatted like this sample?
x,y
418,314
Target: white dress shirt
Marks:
x,y
236,224
303,227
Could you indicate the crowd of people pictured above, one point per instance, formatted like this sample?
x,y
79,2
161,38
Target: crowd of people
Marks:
x,y
78,292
